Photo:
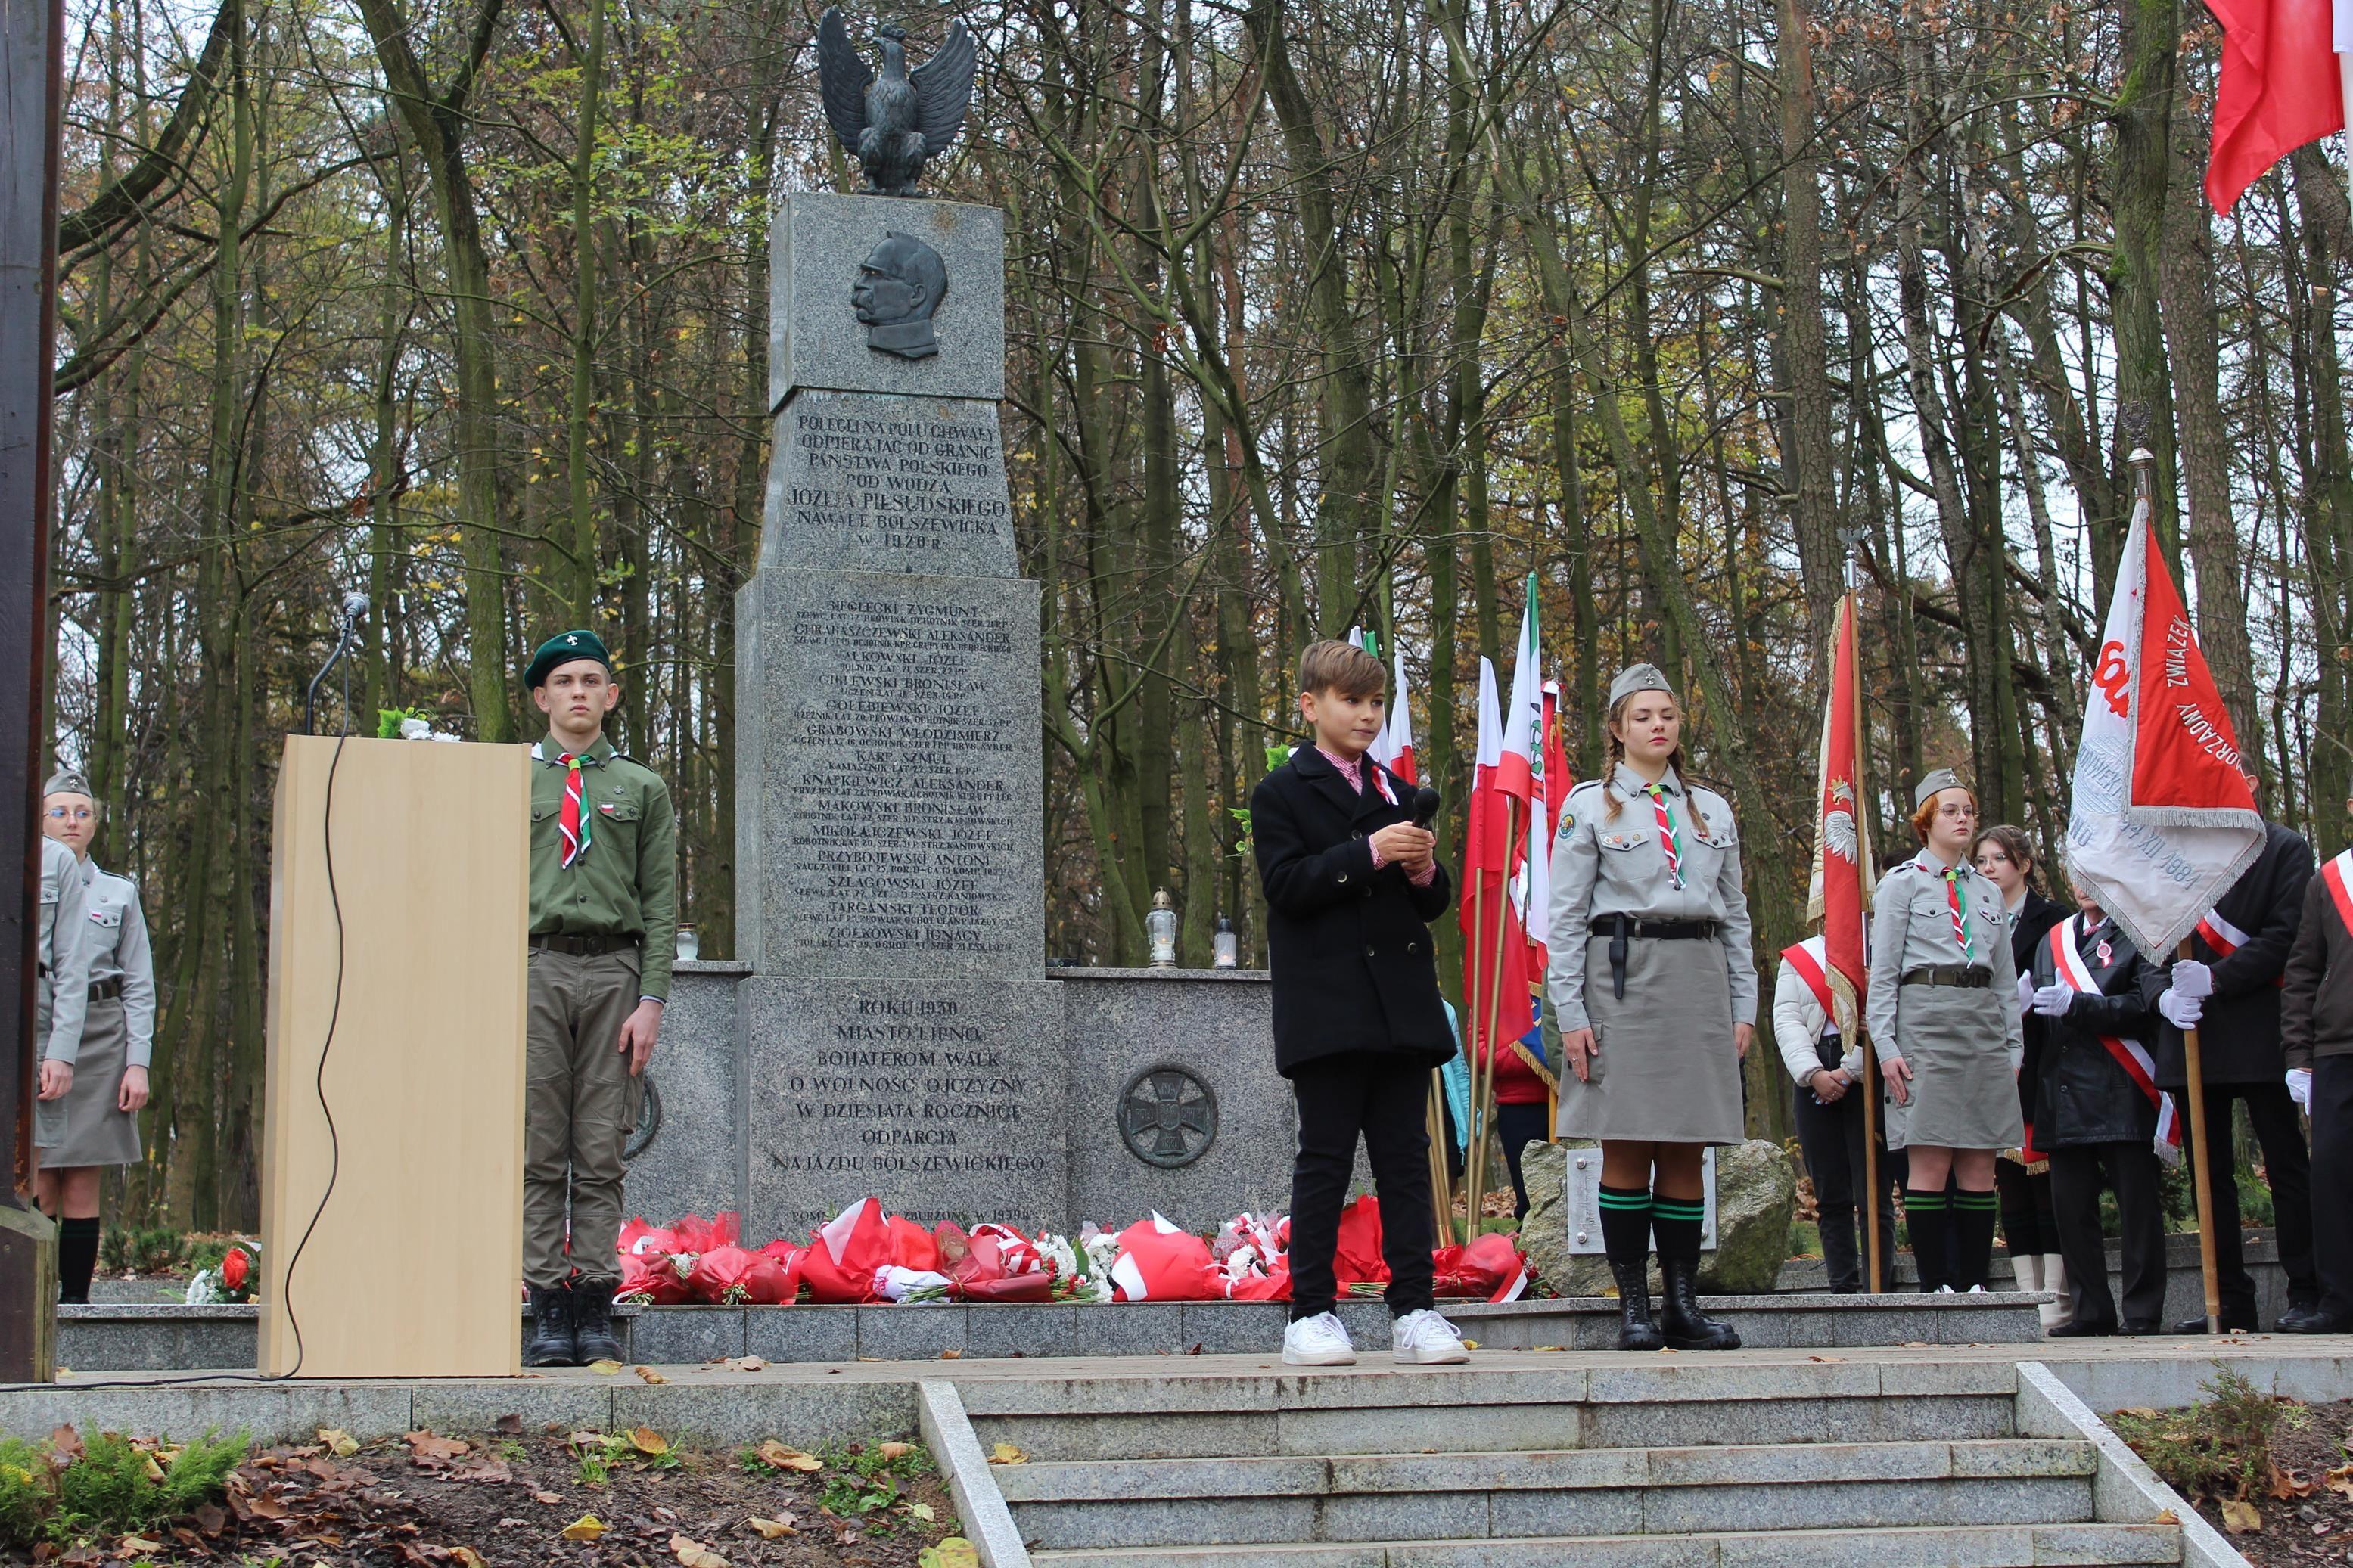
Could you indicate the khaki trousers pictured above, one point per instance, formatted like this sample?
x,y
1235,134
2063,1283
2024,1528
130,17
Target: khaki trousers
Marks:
x,y
579,1104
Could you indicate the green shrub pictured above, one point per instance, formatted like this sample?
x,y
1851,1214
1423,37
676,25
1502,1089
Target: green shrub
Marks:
x,y
115,1486
2217,1450
154,1249
27,1492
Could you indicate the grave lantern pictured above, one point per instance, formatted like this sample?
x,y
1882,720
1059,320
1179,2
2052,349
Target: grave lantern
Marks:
x,y
1225,950
1160,929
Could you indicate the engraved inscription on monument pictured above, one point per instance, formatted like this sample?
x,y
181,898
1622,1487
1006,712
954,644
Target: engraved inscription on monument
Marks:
x,y
861,481
933,1091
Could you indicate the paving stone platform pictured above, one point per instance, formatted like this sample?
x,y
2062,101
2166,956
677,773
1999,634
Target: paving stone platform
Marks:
x,y
145,1336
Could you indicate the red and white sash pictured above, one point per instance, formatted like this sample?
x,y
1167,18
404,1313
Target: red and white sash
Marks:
x,y
2337,877
2130,1055
2226,939
1810,959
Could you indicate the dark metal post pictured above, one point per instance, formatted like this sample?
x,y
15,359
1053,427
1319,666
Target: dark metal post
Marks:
x,y
31,40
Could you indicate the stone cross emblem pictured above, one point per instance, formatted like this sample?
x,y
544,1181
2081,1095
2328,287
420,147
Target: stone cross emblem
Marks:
x,y
1167,1116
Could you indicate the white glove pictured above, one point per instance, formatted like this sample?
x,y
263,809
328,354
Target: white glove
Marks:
x,y
2025,993
2053,1001
2192,979
2181,1012
2299,1087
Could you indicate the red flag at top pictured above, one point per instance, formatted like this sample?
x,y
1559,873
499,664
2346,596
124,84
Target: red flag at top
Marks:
x,y
1489,860
1842,880
2162,821
2279,88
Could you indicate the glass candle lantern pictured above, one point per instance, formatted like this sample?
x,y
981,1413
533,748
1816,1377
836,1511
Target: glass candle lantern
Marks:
x,y
1226,951
690,945
1160,931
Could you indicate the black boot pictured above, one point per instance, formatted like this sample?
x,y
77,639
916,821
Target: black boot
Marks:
x,y
1685,1329
551,1342
592,1320
1635,1331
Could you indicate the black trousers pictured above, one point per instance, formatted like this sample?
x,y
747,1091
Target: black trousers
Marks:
x,y
2271,1110
2332,1169
1830,1138
2077,1173
1516,1127
1385,1100
2028,1223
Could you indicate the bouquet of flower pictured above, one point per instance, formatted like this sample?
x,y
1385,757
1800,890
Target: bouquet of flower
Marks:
x,y
722,1276
1159,1261
1491,1266
845,1253
1356,1257
235,1279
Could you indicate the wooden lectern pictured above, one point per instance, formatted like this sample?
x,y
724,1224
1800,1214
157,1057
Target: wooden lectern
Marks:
x,y
407,942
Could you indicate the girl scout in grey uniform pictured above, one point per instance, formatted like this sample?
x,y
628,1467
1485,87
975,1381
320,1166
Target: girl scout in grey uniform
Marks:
x,y
1656,989
1941,1011
100,1121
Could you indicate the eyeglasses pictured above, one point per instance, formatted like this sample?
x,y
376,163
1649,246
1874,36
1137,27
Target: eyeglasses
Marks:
x,y
72,814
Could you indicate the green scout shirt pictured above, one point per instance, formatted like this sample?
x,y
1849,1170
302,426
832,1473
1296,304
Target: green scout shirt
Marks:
x,y
625,882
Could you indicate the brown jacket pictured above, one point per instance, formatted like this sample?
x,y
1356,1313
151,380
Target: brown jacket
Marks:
x,y
2317,1000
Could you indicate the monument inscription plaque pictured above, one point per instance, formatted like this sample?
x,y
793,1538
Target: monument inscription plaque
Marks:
x,y
863,482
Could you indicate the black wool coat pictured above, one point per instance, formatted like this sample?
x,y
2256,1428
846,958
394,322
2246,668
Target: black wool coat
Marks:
x,y
2036,916
2239,1033
1349,948
2084,1094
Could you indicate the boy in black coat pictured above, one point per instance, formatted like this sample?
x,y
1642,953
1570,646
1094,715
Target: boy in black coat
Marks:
x,y
1351,888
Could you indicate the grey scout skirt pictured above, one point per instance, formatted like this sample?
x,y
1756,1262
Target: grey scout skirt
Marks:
x,y
85,1128
1668,1072
1964,1095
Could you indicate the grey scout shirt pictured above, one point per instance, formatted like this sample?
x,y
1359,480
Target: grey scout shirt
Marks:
x,y
64,951
1912,927
116,932
1603,865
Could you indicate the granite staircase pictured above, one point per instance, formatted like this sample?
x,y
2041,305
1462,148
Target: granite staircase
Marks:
x,y
1648,1461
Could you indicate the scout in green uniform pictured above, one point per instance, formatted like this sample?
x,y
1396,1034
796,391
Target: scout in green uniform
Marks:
x,y
603,878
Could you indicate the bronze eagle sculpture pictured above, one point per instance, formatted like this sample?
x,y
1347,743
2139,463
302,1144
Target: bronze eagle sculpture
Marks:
x,y
892,123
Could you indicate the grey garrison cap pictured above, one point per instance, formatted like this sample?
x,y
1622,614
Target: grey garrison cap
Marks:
x,y
65,781
1942,778
1638,678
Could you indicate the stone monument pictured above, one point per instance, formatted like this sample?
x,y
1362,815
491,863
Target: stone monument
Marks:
x,y
889,1029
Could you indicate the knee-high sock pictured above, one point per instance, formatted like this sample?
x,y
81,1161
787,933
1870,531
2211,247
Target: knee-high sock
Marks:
x,y
76,1257
1677,1222
1973,1217
1930,1222
1626,1219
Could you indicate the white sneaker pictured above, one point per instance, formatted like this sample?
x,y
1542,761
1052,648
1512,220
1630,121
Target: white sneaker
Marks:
x,y
1425,1338
1943,1290
1319,1341
1976,1290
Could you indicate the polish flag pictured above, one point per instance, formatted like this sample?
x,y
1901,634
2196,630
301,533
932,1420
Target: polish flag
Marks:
x,y
1521,760
2288,76
1533,892
2162,821
1394,749
1489,862
1839,887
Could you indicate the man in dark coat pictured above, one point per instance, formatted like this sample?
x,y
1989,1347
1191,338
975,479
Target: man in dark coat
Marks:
x,y
2317,1039
2244,940
1351,888
2095,1119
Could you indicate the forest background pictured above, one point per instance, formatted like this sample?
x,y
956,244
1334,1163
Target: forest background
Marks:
x,y
1321,313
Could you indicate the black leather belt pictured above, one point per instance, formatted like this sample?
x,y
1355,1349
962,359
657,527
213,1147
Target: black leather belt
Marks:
x,y
106,990
1622,928
1968,976
583,946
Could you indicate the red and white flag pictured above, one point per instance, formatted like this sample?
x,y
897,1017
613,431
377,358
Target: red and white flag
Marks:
x,y
1532,892
1839,891
2162,821
1490,856
1394,749
2287,77
1521,760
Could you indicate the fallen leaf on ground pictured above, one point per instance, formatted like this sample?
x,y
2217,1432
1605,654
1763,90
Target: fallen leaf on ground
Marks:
x,y
650,1376
605,1368
744,1363
1826,1358
645,1440
2339,1480
921,1511
894,1450
692,1554
2240,1518
489,1470
338,1442
2286,1486
467,1555
1007,1453
545,1497
587,1527
508,1426
951,1551
65,1440
772,1528
265,1507
136,1543
2143,1411
952,1355
426,1446
777,1456
2165,1516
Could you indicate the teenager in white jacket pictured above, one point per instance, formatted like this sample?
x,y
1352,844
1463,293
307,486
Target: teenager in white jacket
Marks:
x,y
1830,1118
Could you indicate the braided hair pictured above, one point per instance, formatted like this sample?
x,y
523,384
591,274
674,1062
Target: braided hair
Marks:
x,y
1614,752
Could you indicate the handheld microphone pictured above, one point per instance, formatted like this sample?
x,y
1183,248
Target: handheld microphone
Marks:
x,y
1424,807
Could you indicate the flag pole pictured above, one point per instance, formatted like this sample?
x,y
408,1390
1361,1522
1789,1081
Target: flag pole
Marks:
x,y
2201,1180
1441,1201
1482,1084
1472,1133
1873,1196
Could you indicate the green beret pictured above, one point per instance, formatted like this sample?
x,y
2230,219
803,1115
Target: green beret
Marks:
x,y
561,649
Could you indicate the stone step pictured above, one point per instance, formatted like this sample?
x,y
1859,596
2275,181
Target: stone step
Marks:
x,y
1629,1491
1661,1402
2023,1545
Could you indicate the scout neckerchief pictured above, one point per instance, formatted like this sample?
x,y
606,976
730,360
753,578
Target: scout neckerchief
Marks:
x,y
1670,841
2067,963
1959,909
573,825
